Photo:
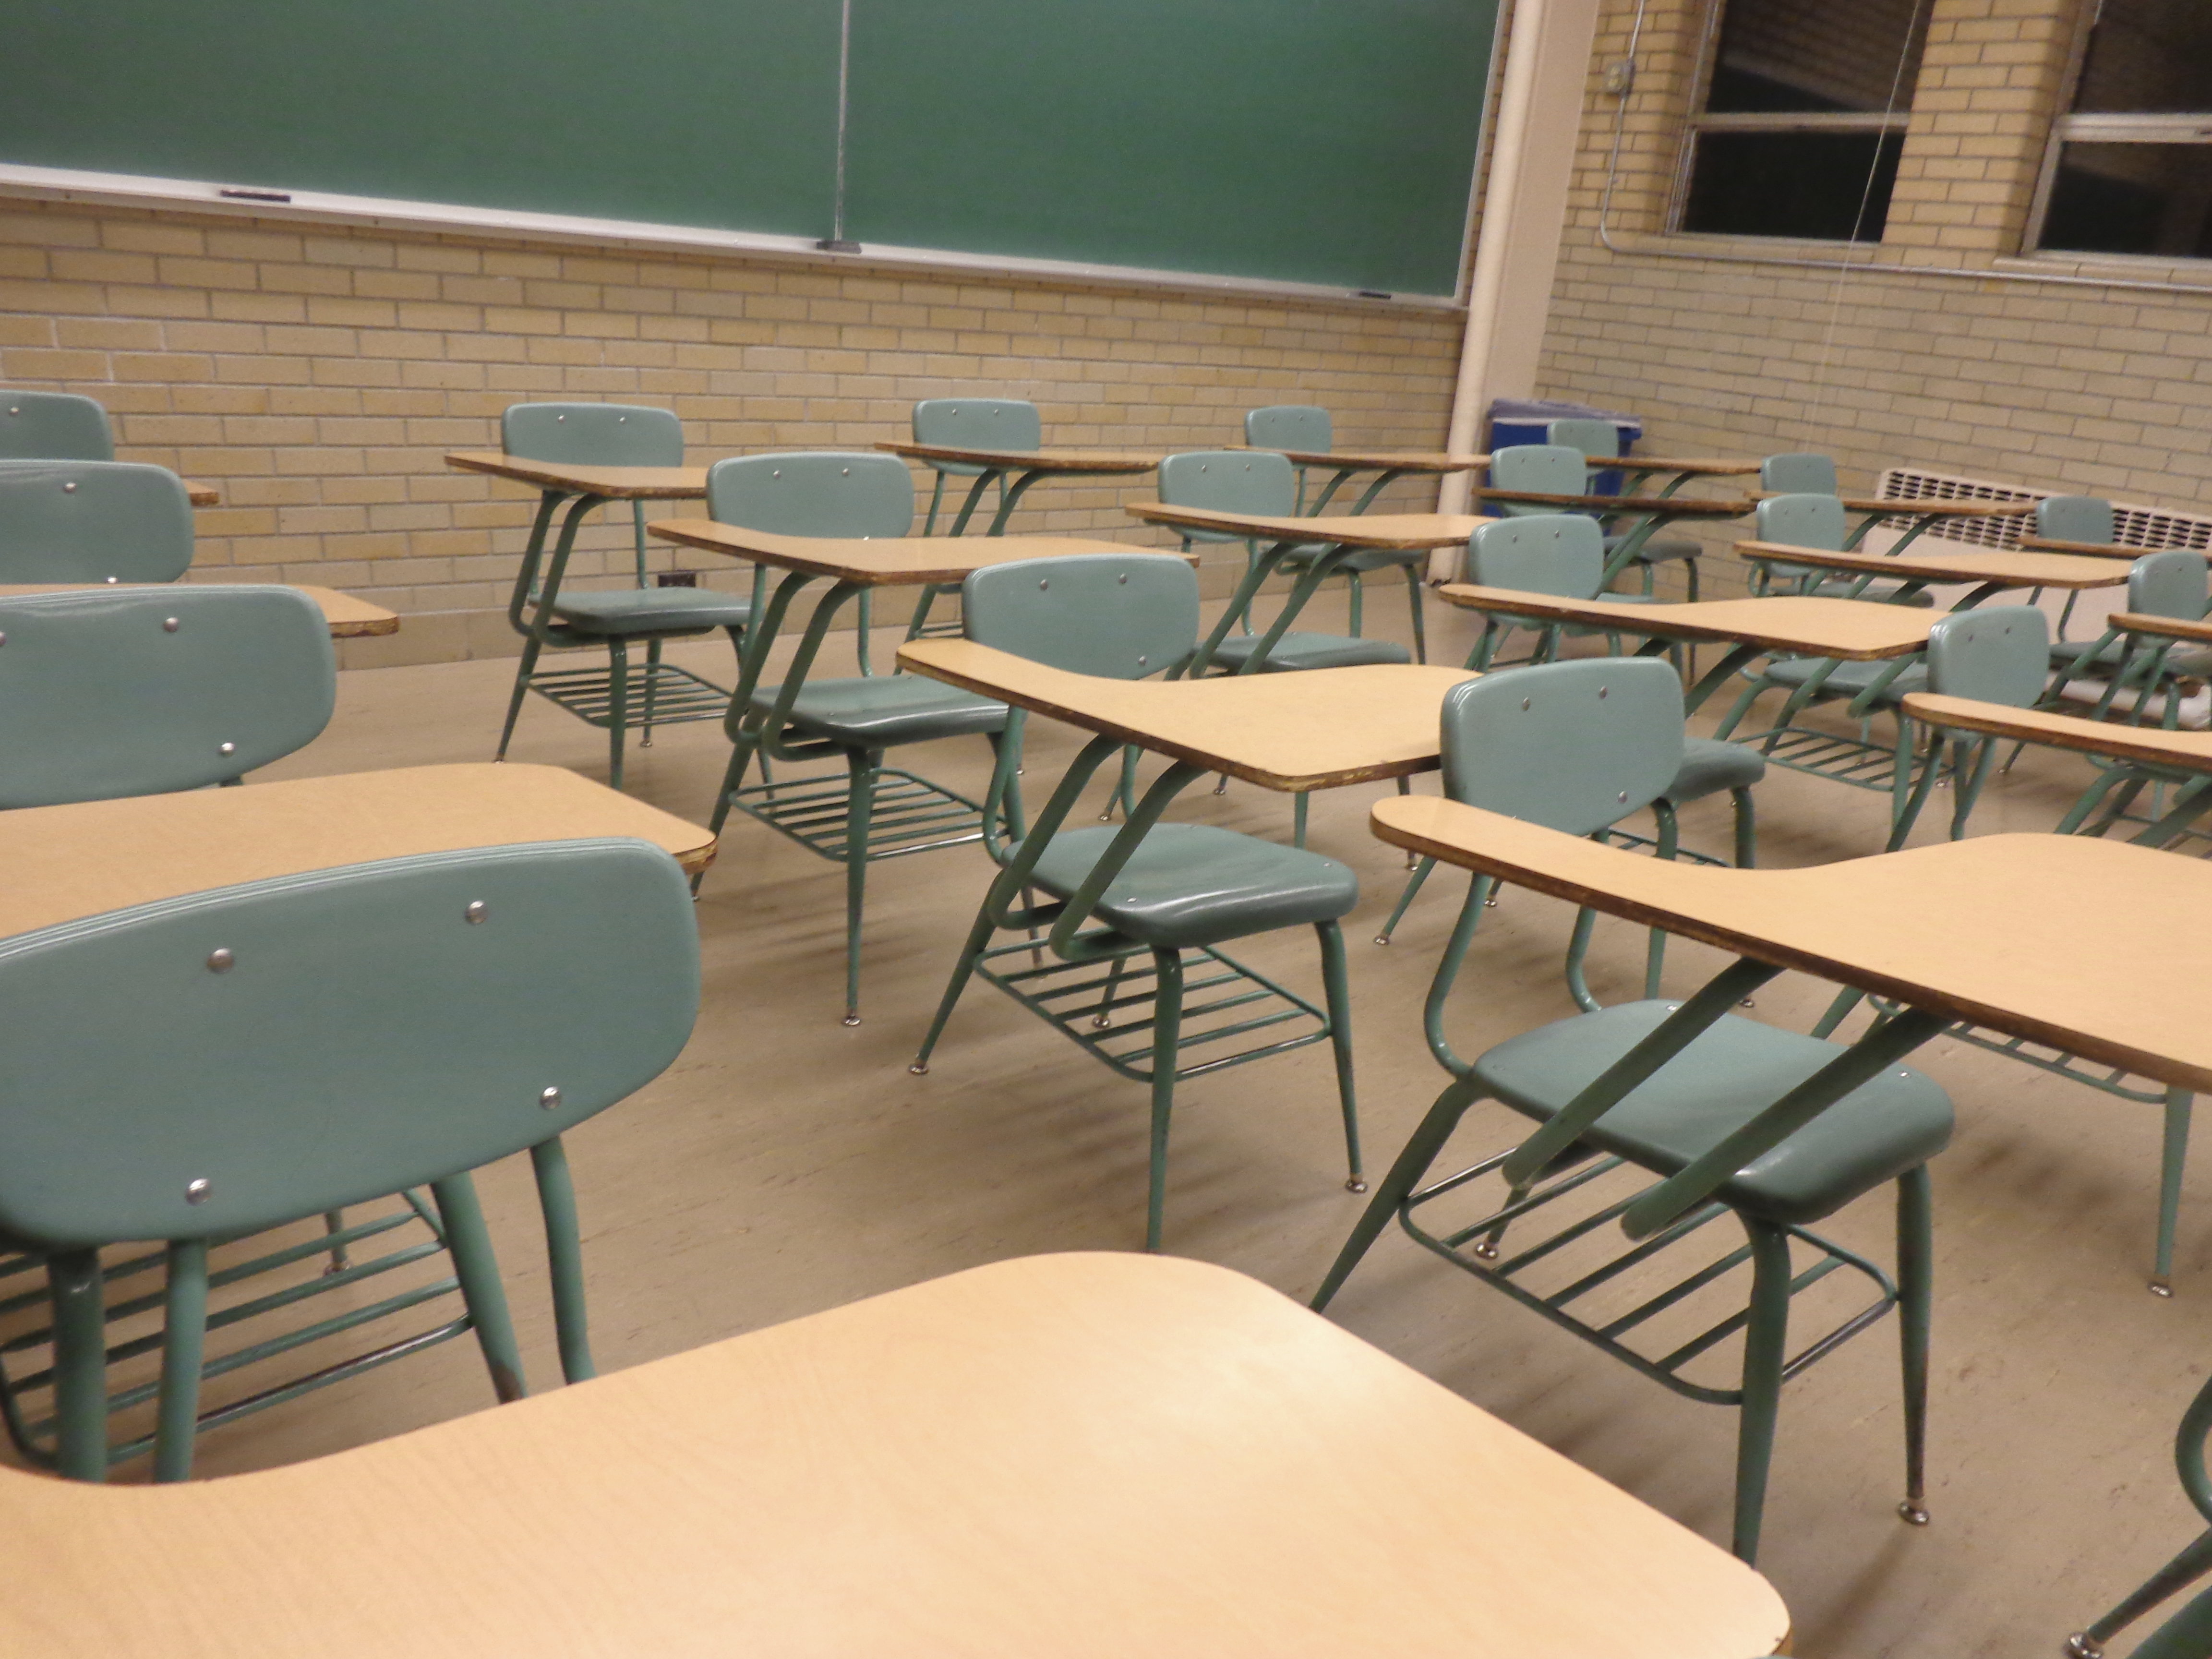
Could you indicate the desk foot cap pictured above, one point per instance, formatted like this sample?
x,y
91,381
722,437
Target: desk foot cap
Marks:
x,y
2162,1287
2079,1646
918,1070
1911,1512
1355,1185
852,1019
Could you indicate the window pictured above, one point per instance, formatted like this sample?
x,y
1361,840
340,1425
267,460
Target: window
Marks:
x,y
2130,165
1804,114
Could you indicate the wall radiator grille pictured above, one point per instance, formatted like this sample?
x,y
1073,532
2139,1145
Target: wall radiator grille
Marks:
x,y
2154,529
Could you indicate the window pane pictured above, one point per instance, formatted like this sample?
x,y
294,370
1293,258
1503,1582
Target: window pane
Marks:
x,y
1817,55
2132,198
2150,57
1793,183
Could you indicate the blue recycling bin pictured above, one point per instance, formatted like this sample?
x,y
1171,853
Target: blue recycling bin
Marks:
x,y
1524,420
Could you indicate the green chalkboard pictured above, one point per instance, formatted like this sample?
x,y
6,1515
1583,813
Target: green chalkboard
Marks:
x,y
1315,141
698,113
1329,141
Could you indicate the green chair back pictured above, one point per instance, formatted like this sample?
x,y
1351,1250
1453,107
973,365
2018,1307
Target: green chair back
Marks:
x,y
2172,584
1582,432
976,424
306,1043
53,426
1122,616
1799,473
1557,553
845,493
1806,520
1574,746
93,521
1229,481
593,434
1303,426
137,691
2000,653
2075,519
1545,469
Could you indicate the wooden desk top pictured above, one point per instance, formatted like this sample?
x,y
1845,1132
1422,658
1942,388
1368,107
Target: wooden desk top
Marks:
x,y
2086,550
1030,461
2191,750
1405,532
202,494
624,484
1849,629
1923,564
2014,933
881,562
349,618
1933,509
84,859
1735,466
2172,628
1061,1457
1671,507
1316,730
1376,460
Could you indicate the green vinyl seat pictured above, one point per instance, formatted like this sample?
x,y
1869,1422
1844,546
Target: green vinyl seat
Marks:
x,y
883,713
1847,679
1296,652
53,426
93,521
668,611
310,1042
1129,970
1804,1126
1191,884
1728,1075
2169,584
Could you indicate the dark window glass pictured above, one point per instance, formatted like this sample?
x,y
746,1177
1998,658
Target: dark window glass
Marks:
x,y
1831,186
2148,57
2132,198
1817,56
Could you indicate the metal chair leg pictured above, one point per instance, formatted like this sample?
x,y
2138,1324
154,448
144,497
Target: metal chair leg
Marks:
x,y
859,815
564,1259
80,1339
523,669
617,708
1337,996
652,687
1167,1034
1405,899
1421,620
1747,830
2172,1161
1764,1341
476,1267
1405,1172
979,936
184,1343
1298,803
1916,1294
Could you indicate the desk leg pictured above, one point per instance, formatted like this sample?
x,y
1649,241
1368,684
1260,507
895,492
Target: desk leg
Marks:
x,y
1383,480
740,724
1328,493
1309,581
1256,572
983,481
518,601
1718,676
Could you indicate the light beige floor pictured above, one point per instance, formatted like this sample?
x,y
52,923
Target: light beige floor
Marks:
x,y
788,1163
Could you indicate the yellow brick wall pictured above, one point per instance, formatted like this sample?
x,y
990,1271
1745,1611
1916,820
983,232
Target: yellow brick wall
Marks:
x,y
317,375
1726,347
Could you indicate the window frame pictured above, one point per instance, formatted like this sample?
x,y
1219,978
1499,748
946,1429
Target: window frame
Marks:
x,y
2100,129
1699,121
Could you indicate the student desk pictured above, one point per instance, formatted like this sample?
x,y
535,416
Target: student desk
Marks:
x,y
1783,625
1924,514
1389,466
1027,466
1339,536
2087,549
1292,732
1642,469
200,495
90,857
1645,515
1992,572
349,618
1071,1456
